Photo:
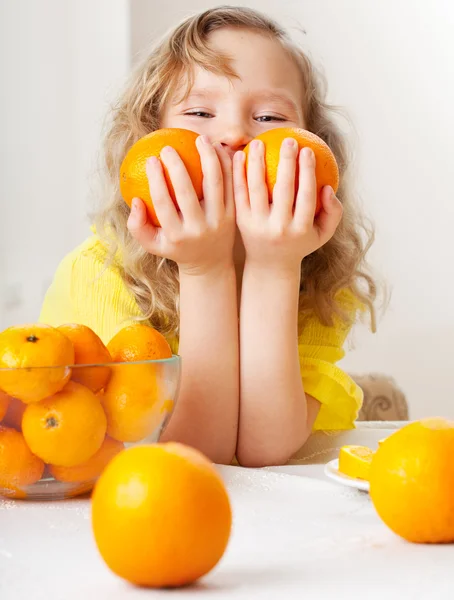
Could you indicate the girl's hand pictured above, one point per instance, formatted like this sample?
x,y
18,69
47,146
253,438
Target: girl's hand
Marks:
x,y
283,233
200,237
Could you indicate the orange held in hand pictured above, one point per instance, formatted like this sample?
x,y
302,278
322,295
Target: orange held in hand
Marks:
x,y
138,342
18,466
133,176
27,346
161,515
412,481
89,350
326,169
65,429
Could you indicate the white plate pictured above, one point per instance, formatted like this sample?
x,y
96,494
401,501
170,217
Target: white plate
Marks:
x,y
332,471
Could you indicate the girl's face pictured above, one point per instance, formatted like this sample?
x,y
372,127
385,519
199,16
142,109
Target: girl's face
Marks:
x,y
266,94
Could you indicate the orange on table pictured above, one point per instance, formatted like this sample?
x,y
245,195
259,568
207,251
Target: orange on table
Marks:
x,y
133,176
4,404
132,402
89,350
26,346
91,468
14,414
19,467
138,342
161,515
326,169
412,481
65,429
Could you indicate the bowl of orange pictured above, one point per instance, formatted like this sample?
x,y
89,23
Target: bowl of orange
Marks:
x,y
69,404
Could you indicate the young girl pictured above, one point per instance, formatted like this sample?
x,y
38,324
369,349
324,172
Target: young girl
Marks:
x,y
258,299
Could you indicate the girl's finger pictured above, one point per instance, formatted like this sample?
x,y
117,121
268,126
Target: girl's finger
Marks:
x,y
213,182
284,190
141,229
240,187
306,199
162,202
227,177
330,216
258,190
184,190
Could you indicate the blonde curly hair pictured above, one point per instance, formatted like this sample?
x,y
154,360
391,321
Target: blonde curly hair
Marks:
x,y
153,281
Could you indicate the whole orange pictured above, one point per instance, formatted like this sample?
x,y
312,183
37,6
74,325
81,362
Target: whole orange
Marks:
x,y
88,350
133,176
18,466
27,346
14,414
326,169
133,402
4,404
91,468
65,429
412,481
138,342
161,515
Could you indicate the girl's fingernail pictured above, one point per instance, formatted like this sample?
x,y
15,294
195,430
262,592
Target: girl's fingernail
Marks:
x,y
290,142
256,145
167,150
204,139
152,161
239,156
331,194
309,156
134,205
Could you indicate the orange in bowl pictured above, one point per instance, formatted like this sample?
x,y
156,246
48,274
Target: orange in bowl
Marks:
x,y
33,361
14,414
4,404
65,429
138,342
88,350
18,466
133,176
326,169
134,402
161,515
91,468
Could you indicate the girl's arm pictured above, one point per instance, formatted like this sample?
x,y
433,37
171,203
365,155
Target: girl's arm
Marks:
x,y
206,413
200,240
276,416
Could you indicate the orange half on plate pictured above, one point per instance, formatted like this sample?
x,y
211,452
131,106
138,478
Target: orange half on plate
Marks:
x,y
355,461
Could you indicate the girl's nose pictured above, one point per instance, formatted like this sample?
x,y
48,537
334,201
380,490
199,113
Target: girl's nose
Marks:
x,y
234,139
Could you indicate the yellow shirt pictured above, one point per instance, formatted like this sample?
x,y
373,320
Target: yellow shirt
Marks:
x,y
85,291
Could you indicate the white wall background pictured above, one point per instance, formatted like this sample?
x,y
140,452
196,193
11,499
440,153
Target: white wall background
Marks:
x,y
388,63
60,64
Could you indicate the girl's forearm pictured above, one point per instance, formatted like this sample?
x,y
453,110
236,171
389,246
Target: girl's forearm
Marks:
x,y
206,413
273,406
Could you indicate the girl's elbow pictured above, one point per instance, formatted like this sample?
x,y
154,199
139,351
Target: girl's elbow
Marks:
x,y
272,456
257,459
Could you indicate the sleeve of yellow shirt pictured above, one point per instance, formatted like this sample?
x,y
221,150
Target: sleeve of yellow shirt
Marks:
x,y
86,291
320,348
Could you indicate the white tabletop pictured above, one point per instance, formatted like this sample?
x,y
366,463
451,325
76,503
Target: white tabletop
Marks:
x,y
296,535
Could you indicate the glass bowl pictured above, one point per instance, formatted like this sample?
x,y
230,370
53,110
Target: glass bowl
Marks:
x,y
70,421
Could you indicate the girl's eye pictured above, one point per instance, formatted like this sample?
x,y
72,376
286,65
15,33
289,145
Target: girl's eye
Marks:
x,y
200,113
269,119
